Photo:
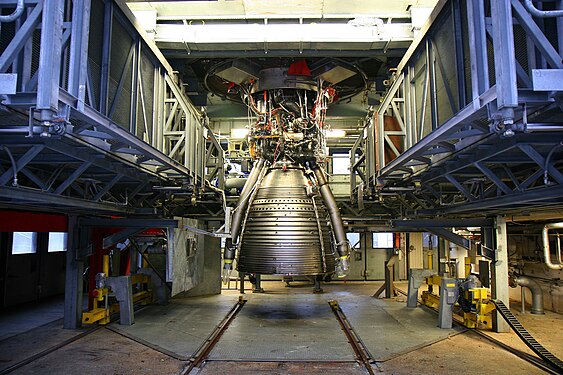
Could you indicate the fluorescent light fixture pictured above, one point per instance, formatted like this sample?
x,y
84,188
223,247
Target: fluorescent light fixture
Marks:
x,y
239,133
336,133
147,19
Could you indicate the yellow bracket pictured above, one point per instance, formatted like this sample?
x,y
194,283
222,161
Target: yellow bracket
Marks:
x,y
434,280
102,315
430,299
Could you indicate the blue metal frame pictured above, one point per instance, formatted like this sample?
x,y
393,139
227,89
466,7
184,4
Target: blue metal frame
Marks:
x,y
62,126
499,149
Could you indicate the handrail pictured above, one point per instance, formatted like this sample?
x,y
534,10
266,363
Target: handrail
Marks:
x,y
541,13
15,14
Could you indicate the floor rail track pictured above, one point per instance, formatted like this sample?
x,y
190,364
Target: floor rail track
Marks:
x,y
203,352
360,351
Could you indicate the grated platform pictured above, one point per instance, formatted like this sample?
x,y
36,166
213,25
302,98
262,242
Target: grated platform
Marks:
x,y
179,327
276,327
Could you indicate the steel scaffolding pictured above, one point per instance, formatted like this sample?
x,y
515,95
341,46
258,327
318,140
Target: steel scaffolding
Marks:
x,y
93,117
472,122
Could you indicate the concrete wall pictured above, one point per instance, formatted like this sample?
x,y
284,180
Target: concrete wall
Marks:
x,y
211,274
416,250
197,261
525,257
340,185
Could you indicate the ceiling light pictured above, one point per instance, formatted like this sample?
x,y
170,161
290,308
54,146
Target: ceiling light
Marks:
x,y
239,133
336,133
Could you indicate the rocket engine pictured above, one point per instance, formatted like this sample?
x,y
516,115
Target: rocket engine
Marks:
x,y
286,221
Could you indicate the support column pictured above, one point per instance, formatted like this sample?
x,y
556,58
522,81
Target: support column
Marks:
x,y
499,287
73,280
50,58
442,266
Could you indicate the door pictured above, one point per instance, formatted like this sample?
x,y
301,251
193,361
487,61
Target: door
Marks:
x,y
379,248
357,256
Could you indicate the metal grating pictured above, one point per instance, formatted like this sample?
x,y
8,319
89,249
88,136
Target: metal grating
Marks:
x,y
298,327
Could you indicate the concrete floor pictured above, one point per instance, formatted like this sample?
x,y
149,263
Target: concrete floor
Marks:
x,y
18,319
280,325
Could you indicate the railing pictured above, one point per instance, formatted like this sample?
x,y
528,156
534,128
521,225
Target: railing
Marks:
x,y
94,116
473,118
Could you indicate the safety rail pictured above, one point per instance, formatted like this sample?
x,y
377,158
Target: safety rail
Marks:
x,y
472,120
93,117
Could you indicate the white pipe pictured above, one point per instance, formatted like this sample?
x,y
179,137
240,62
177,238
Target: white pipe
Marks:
x,y
545,240
15,14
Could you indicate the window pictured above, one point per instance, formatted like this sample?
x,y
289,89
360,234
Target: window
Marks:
x,y
340,164
430,241
57,242
24,243
354,239
382,240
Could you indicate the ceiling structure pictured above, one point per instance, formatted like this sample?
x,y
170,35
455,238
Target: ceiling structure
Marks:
x,y
196,36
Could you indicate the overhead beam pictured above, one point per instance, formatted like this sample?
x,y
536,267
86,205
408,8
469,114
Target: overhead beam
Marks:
x,y
128,223
44,199
451,236
443,223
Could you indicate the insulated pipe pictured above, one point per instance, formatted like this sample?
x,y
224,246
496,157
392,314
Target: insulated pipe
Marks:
x,y
541,13
15,14
545,240
338,227
537,293
242,203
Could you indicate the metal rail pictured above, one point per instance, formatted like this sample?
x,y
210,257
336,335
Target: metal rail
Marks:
x,y
110,132
447,139
203,352
360,351
526,337
43,353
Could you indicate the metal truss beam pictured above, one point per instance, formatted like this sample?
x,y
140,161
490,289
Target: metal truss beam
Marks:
x,y
66,130
477,152
42,199
120,236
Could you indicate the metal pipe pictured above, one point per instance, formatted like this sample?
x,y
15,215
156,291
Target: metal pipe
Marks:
x,y
558,248
24,130
15,14
541,13
238,215
547,160
14,165
544,127
342,245
105,265
537,293
545,240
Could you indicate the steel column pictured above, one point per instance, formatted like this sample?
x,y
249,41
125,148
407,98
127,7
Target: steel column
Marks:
x,y
505,66
50,59
74,275
79,50
499,287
